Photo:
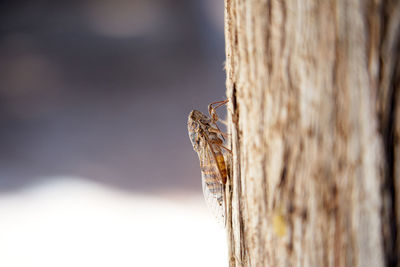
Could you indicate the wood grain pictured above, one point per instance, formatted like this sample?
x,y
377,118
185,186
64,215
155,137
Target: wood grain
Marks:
x,y
314,123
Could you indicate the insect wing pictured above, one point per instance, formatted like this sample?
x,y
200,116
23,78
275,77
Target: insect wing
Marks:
x,y
213,189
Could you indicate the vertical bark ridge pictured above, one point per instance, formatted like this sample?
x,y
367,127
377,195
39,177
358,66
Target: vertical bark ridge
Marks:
x,y
310,84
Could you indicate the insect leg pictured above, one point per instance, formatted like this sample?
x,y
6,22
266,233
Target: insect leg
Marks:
x,y
218,131
212,110
219,144
220,103
227,149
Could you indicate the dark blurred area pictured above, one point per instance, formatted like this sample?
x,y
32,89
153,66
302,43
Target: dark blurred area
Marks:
x,y
102,90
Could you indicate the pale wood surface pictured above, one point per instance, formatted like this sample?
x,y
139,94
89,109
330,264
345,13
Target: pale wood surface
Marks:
x,y
315,128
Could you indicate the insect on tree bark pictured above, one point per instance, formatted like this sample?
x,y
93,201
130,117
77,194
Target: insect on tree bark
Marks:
x,y
207,140
314,120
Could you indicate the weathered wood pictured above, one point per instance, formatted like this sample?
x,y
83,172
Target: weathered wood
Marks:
x,y
315,130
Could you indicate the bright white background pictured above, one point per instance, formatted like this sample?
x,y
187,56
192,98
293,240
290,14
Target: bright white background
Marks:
x,y
75,223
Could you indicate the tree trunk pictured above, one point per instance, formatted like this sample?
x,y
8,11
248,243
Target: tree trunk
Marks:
x,y
314,119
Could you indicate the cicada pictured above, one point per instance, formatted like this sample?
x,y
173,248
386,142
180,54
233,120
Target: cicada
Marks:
x,y
208,142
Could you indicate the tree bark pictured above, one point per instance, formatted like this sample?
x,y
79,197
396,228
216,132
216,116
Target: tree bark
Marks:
x,y
314,120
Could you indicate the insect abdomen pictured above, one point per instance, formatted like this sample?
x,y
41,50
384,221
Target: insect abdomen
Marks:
x,y
222,167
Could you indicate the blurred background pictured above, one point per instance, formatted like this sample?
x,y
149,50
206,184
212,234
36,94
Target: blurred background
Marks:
x,y
96,167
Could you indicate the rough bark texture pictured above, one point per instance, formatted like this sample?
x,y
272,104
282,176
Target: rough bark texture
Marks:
x,y
315,130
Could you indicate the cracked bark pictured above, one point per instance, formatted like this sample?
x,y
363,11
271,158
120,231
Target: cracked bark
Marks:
x,y
315,131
